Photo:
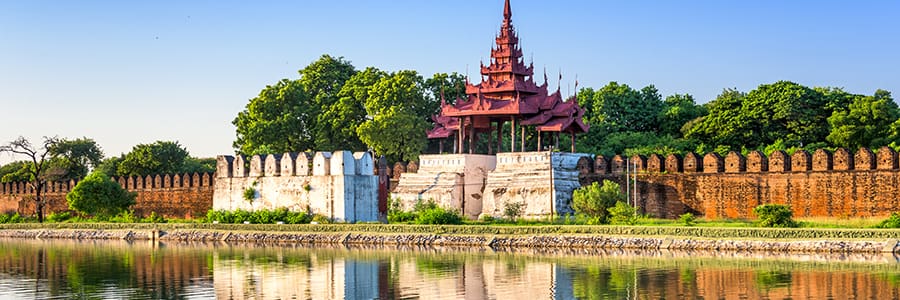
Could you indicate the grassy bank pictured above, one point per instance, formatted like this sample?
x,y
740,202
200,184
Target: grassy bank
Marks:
x,y
605,230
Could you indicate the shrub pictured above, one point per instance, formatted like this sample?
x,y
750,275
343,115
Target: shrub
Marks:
x,y
775,215
513,210
622,214
126,216
98,195
320,219
439,216
688,219
594,200
58,217
297,218
891,222
15,218
250,194
153,218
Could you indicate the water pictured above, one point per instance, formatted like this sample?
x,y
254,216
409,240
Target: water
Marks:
x,y
64,269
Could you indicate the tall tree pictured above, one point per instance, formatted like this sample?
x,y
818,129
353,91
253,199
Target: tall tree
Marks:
x,y
161,157
39,157
451,86
344,117
678,110
279,120
16,171
866,122
398,111
73,159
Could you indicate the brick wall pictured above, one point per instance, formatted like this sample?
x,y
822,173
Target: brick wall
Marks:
x,y
821,184
172,196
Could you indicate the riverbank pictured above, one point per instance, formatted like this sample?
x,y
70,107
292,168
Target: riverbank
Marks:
x,y
578,237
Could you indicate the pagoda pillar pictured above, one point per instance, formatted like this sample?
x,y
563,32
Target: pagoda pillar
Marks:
x,y
512,134
573,141
471,135
499,136
460,136
539,134
522,129
490,140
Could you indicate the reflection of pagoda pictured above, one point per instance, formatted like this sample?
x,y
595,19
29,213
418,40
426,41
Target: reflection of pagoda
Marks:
x,y
507,94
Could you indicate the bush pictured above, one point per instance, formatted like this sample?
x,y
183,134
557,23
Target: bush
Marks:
x,y
98,195
58,217
256,217
320,219
775,215
153,218
622,214
891,222
124,217
594,200
513,210
688,219
439,216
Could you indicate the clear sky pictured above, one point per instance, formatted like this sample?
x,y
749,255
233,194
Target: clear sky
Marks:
x,y
129,72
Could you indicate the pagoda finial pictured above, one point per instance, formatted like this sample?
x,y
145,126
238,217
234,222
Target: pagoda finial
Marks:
x,y
507,12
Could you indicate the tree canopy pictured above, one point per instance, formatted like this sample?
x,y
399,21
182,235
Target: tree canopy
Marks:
x,y
160,157
98,195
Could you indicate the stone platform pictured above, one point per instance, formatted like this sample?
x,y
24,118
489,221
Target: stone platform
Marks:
x,y
541,181
453,181
483,184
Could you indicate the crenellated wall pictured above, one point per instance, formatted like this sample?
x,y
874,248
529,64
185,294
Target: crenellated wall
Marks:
x,y
172,196
819,184
341,185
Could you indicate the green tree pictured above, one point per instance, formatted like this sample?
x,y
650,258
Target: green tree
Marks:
x,y
323,80
98,195
398,112
198,165
452,86
161,157
280,119
37,171
344,117
594,200
17,171
618,108
73,159
110,165
866,122
678,110
396,133
783,110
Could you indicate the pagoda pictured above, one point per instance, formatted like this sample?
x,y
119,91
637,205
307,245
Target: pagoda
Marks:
x,y
507,92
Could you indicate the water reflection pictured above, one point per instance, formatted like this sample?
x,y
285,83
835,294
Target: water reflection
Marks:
x,y
141,270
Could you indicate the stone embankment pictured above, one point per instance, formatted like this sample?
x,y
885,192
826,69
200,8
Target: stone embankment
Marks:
x,y
499,241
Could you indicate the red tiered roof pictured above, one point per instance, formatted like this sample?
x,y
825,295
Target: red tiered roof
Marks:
x,y
509,91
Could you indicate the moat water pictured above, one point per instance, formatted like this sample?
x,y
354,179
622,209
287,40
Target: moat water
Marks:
x,y
66,269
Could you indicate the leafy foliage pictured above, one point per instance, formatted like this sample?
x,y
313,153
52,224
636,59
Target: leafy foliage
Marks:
x,y
622,214
688,219
866,122
594,200
98,195
512,210
775,215
258,217
160,157
17,171
439,216
891,222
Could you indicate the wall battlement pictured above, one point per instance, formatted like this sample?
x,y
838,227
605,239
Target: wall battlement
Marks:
x,y
754,162
295,164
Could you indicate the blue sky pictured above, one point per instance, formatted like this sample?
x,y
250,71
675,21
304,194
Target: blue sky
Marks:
x,y
129,72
